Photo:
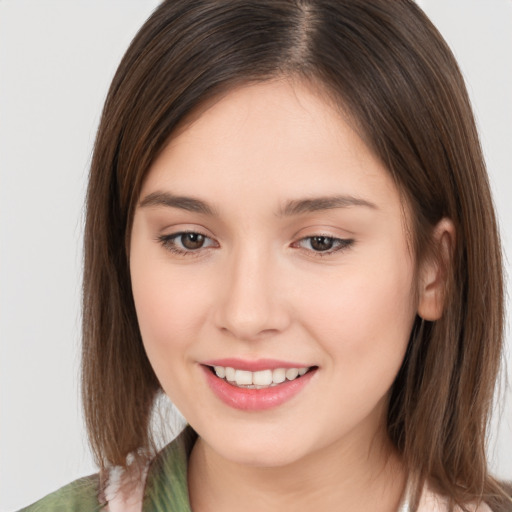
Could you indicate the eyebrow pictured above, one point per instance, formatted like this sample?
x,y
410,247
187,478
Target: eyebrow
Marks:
x,y
299,206
182,202
291,208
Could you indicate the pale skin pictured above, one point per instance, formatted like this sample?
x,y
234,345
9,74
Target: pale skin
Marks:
x,y
263,171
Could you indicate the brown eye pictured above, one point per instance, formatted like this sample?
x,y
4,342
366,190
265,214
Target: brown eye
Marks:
x,y
192,241
186,243
321,243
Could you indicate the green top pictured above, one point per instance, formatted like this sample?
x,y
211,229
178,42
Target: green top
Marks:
x,y
166,485
80,496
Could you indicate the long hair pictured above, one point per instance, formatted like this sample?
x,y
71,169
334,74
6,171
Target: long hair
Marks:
x,y
384,64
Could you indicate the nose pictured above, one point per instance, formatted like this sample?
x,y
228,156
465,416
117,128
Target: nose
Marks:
x,y
253,303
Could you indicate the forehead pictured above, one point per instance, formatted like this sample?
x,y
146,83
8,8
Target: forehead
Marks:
x,y
262,144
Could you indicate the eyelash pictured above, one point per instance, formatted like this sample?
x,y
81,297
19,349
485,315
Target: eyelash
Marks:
x,y
168,242
339,244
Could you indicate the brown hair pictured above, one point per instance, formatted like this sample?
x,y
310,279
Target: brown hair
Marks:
x,y
389,68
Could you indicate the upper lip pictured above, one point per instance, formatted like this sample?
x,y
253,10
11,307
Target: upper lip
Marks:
x,y
255,365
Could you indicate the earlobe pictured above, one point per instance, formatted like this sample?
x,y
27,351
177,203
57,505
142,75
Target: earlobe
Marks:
x,y
434,271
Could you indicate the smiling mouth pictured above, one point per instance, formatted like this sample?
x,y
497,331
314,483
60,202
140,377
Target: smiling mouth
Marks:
x,y
262,379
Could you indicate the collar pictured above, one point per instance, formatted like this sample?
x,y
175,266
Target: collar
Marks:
x,y
166,484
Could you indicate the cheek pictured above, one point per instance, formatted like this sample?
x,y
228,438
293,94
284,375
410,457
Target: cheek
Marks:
x,y
169,308
363,317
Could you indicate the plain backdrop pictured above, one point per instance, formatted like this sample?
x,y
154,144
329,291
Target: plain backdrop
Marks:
x,y
56,61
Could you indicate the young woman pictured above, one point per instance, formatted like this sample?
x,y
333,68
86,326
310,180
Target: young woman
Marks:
x,y
288,221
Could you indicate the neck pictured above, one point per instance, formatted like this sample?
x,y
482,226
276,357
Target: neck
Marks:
x,y
350,475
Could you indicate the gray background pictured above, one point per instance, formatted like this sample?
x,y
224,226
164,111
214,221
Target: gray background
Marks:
x,y
56,61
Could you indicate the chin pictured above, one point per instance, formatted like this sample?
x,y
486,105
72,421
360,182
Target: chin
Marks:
x,y
261,458
258,446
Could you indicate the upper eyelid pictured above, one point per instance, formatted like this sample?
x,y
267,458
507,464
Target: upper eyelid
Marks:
x,y
324,229
297,239
184,227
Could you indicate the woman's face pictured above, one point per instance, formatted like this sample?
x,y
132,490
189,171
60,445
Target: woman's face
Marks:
x,y
269,241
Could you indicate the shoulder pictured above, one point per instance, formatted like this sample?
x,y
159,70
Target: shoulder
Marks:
x,y
80,495
161,485
166,486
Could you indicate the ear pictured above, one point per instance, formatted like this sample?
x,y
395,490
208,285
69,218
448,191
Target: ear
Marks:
x,y
433,272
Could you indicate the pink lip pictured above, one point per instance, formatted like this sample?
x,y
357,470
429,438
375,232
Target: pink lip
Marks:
x,y
253,366
256,399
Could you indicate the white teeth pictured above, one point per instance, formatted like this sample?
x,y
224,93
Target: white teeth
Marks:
x,y
291,373
220,371
230,374
243,377
259,379
262,378
279,375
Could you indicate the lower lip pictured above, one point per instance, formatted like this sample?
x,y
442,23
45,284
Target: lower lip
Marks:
x,y
256,399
